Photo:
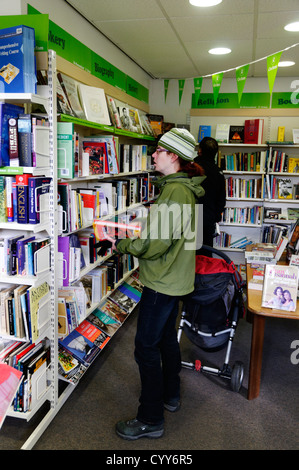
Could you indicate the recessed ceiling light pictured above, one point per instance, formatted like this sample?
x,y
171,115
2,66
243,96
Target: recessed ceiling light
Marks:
x,y
220,51
204,3
286,63
292,26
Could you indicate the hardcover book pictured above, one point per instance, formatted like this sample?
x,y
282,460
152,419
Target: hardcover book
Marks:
x,y
236,134
25,140
94,104
253,131
280,287
38,196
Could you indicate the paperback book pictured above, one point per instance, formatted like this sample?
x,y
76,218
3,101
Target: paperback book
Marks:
x,y
280,287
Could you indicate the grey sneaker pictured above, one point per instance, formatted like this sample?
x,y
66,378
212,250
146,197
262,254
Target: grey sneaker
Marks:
x,y
134,429
172,405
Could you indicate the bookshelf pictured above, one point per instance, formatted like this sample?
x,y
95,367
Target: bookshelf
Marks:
x,y
57,390
237,173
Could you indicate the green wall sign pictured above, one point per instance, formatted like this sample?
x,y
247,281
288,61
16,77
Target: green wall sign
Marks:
x,y
231,101
68,47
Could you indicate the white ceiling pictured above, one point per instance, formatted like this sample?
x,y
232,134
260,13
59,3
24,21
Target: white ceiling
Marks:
x,y
171,38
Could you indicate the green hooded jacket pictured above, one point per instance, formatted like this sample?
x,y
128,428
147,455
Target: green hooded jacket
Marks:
x,y
166,246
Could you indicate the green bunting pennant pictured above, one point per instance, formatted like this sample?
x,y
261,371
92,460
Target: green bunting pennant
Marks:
x,y
197,87
166,83
216,82
272,65
241,76
181,89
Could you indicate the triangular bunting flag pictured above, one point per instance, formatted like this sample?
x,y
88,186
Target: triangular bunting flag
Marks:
x,y
166,83
241,75
272,65
181,89
216,82
197,87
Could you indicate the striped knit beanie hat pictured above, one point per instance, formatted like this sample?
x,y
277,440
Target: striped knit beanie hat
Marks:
x,y
180,142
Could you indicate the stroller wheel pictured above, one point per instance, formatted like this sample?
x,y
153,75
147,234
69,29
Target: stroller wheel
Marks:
x,y
237,376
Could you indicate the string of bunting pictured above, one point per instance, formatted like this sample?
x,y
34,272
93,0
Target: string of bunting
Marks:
x,y
241,76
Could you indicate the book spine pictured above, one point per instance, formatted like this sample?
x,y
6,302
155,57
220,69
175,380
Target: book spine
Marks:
x,y
9,198
22,199
13,142
2,200
25,140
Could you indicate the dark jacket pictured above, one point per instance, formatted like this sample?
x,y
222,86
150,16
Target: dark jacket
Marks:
x,y
214,199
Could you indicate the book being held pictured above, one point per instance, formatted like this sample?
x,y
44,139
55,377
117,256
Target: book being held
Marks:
x,y
280,287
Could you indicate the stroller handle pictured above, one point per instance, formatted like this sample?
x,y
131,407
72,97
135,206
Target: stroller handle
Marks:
x,y
217,252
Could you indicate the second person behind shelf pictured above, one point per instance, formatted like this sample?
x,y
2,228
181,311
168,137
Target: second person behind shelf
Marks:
x,y
214,199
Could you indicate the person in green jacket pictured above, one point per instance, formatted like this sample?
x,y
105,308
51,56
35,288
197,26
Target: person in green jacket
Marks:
x,y
166,252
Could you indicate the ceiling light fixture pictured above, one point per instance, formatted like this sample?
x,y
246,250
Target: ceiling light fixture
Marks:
x,y
292,26
286,63
220,51
204,3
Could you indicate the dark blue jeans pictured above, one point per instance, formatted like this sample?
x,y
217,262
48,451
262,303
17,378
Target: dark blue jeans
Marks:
x,y
157,354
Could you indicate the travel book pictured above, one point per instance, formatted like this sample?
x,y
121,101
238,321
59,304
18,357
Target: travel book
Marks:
x,y
280,287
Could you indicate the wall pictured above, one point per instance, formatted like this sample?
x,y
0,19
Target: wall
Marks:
x,y
67,18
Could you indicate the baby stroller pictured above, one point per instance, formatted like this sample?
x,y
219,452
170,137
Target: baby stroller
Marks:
x,y
211,312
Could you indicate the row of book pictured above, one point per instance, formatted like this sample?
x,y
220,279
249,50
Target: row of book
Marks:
x,y
79,251
281,188
242,215
224,240
22,309
31,362
272,233
80,206
249,133
24,256
242,161
24,137
278,161
78,349
79,156
24,199
90,103
243,188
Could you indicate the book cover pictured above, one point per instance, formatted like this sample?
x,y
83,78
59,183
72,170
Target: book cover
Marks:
x,y
94,157
114,114
36,295
285,188
110,150
236,134
114,310
7,111
125,119
280,287
65,150
70,88
222,133
10,379
38,198
25,140
103,321
115,229
204,131
21,257
93,102
17,63
293,165
253,131
156,123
